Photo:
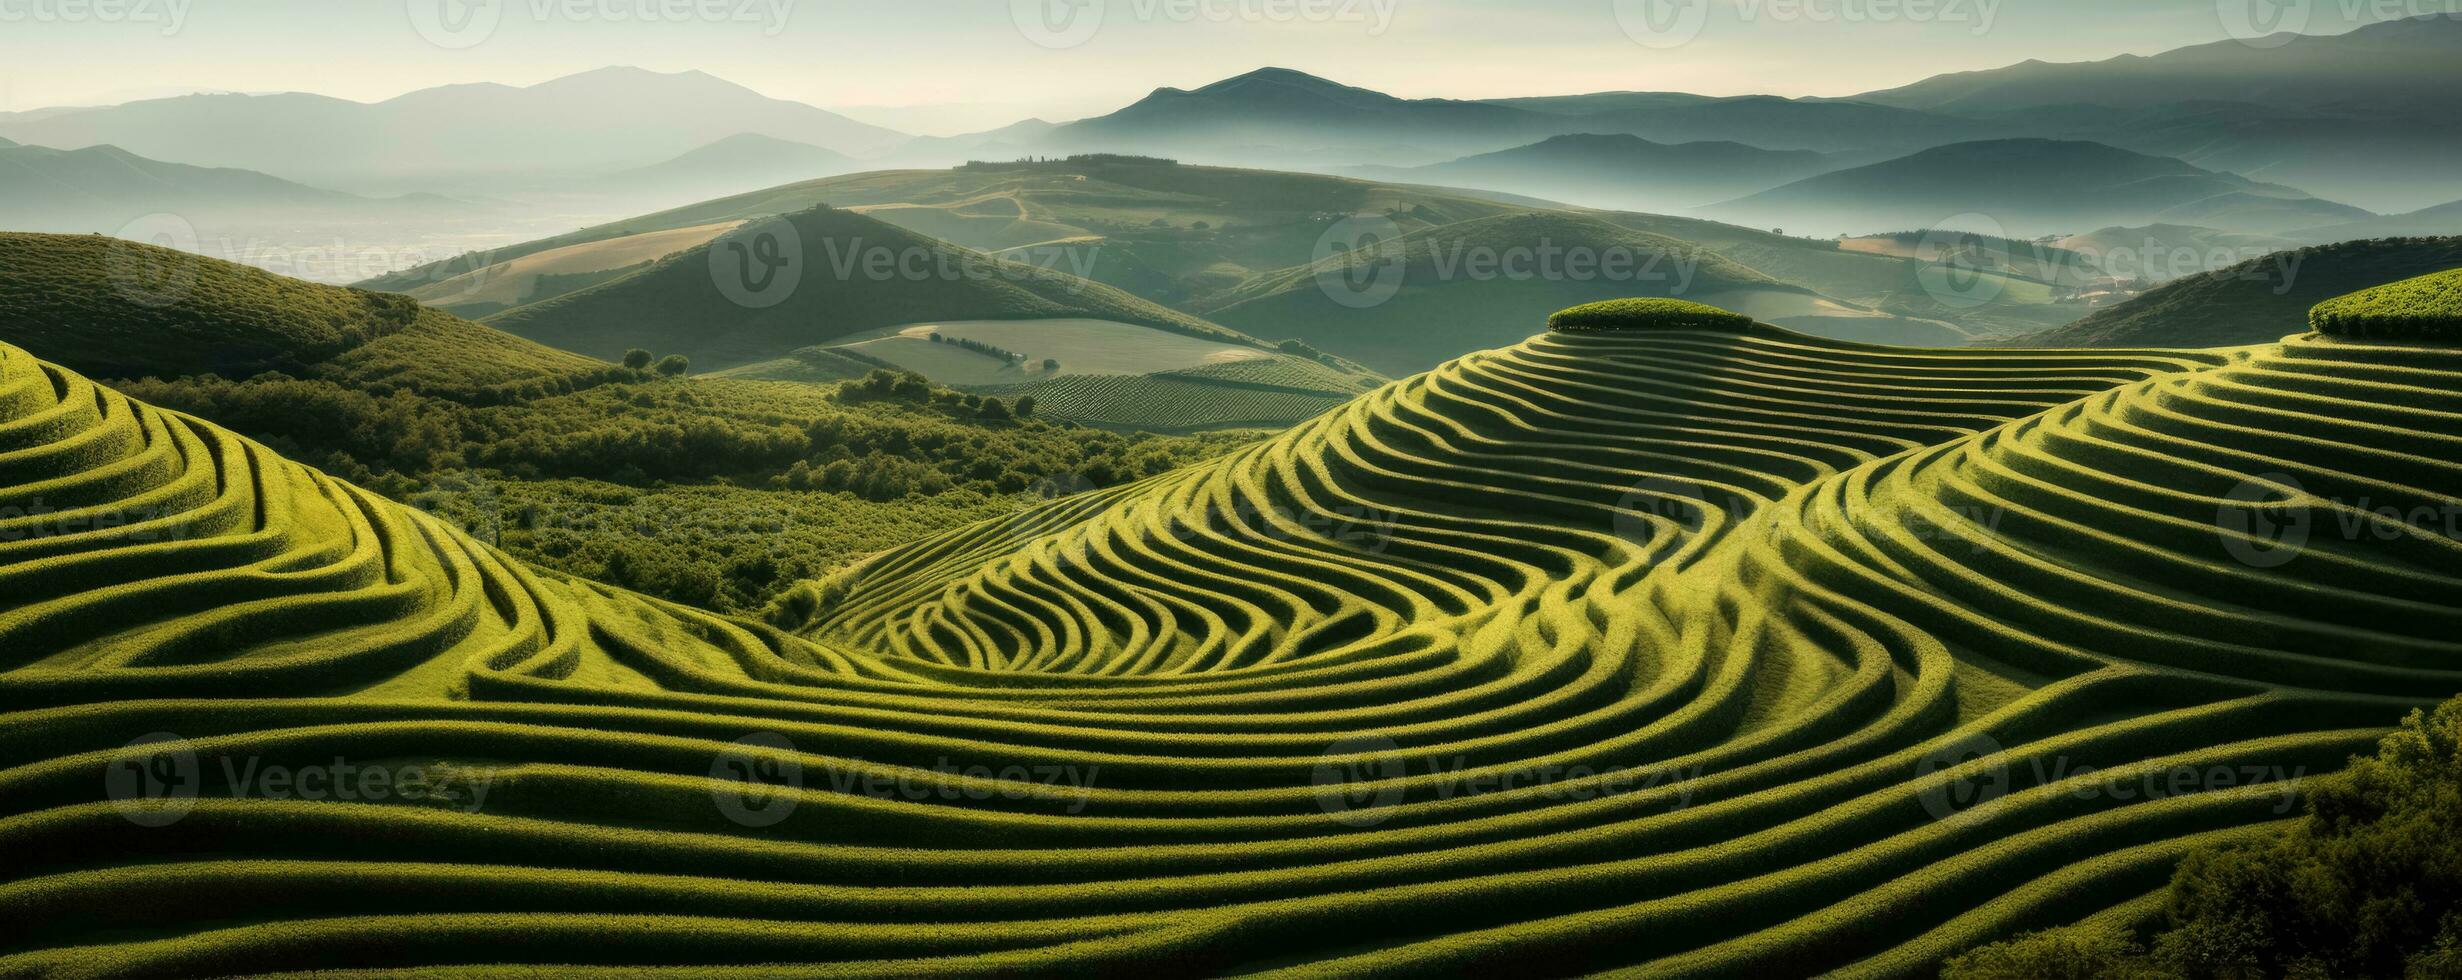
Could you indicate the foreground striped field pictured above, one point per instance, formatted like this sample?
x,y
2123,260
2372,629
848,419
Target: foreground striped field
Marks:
x,y
1686,652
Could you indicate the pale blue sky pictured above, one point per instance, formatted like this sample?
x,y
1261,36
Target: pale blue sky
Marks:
x,y
970,65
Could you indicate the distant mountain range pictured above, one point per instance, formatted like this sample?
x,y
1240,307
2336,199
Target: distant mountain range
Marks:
x,y
2366,116
1280,116
102,188
1283,118
2379,69
2362,117
597,122
2443,219
738,162
2030,187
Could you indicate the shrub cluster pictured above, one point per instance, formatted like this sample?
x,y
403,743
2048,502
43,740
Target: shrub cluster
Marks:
x,y
889,439
979,347
1618,315
2369,884
2425,308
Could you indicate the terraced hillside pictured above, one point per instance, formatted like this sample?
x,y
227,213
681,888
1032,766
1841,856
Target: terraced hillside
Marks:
x,y
1676,652
1694,654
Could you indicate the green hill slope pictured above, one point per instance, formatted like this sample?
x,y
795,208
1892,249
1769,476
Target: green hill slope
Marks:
x,y
850,273
2254,302
1649,648
1161,230
1405,304
119,309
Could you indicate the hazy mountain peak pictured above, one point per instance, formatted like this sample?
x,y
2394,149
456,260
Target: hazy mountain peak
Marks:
x,y
1276,76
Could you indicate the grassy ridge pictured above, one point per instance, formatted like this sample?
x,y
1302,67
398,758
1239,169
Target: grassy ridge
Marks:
x,y
123,310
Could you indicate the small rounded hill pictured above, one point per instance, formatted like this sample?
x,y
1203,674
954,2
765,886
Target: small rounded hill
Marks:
x,y
2428,307
1635,315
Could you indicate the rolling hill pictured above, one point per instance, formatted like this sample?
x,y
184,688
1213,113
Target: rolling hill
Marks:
x,y
1650,647
2253,302
1426,296
544,275
2029,187
1620,172
1098,372
2161,253
843,273
119,309
1163,231
589,123
1188,236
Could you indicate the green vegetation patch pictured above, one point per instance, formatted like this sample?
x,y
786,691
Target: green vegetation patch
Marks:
x,y
1619,315
2428,307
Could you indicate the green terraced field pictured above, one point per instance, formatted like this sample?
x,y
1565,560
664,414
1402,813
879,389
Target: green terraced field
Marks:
x,y
1650,651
